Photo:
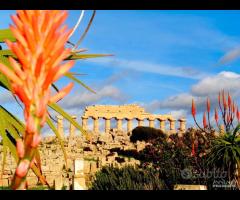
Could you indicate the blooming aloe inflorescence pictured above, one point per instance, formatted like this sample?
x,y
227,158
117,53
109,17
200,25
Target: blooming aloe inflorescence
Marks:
x,y
228,110
40,50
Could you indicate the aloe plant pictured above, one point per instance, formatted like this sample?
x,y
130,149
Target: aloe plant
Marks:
x,y
225,154
12,128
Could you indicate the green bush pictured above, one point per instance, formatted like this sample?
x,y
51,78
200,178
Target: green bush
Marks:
x,y
146,134
127,178
173,156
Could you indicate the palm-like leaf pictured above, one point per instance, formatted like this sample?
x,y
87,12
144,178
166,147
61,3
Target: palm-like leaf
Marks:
x,y
225,152
12,128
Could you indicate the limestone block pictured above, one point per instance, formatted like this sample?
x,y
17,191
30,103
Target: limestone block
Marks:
x,y
190,187
79,183
58,183
78,166
86,167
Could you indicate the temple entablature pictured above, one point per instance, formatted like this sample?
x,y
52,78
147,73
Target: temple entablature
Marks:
x,y
131,115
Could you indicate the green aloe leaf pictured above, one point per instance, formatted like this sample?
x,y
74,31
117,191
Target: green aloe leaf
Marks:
x,y
7,52
236,130
12,119
6,141
72,77
75,56
6,34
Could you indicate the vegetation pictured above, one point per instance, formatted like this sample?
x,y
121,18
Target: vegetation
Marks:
x,y
142,133
224,153
127,178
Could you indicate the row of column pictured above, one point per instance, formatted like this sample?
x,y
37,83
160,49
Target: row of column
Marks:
x,y
60,126
172,122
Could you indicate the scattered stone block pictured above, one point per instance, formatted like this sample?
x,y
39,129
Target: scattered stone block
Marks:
x,y
190,187
58,183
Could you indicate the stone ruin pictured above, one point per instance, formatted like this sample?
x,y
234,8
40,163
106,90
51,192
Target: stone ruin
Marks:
x,y
88,154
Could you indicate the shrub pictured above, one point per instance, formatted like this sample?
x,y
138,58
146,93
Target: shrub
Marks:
x,y
146,134
173,156
127,178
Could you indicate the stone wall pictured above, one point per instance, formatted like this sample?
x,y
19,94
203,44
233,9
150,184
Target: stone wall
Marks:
x,y
88,154
96,153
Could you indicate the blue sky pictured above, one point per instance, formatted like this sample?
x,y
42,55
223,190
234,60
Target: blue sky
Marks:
x,y
162,59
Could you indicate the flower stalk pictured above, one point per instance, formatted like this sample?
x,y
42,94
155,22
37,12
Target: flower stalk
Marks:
x,y
40,51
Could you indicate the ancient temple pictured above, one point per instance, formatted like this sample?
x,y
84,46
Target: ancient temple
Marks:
x,y
124,112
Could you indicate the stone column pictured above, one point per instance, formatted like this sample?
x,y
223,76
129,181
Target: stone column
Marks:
x,y
95,124
172,124
182,124
140,121
60,125
107,124
162,124
151,122
129,125
85,123
72,127
119,123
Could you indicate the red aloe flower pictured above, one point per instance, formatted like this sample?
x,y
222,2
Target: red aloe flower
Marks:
x,y
193,109
39,48
238,115
233,107
208,105
204,120
229,101
224,100
20,148
216,115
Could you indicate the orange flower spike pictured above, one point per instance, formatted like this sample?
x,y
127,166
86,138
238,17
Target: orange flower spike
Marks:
x,y
216,115
17,68
40,50
208,105
238,115
20,148
36,140
62,93
233,107
193,109
224,100
22,168
204,120
10,74
229,101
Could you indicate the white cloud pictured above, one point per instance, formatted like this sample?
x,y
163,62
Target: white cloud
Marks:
x,y
80,100
230,55
143,66
209,86
177,114
229,81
